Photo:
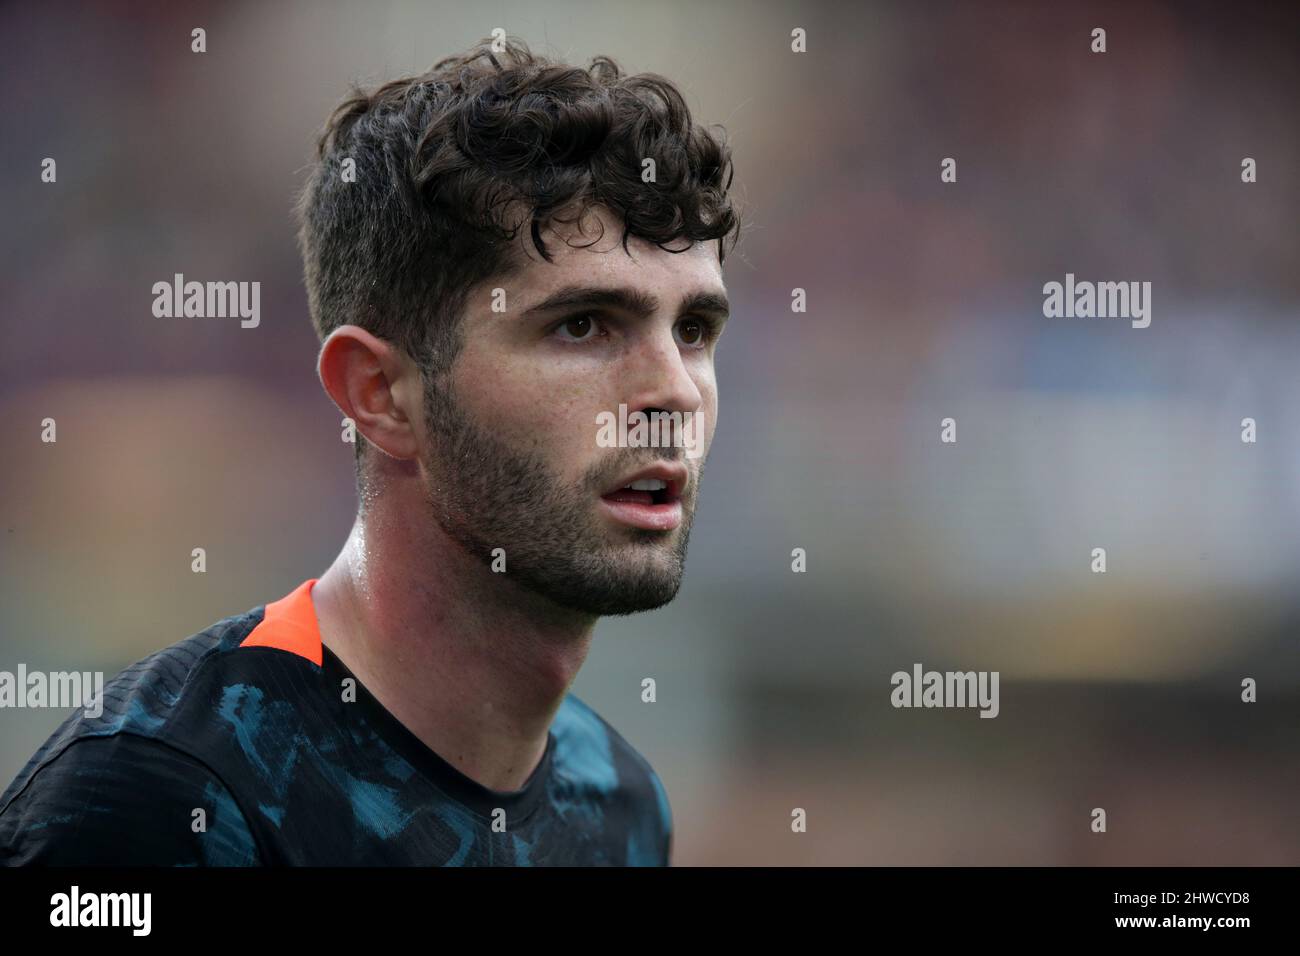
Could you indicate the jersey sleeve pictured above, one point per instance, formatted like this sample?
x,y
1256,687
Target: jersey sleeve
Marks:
x,y
124,800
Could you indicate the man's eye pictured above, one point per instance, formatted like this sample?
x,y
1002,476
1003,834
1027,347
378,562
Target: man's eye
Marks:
x,y
579,328
693,332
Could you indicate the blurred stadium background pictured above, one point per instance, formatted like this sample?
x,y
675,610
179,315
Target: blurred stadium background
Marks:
x,y
1118,690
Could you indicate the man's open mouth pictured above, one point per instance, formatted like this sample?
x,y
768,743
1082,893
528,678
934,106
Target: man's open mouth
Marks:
x,y
646,491
649,499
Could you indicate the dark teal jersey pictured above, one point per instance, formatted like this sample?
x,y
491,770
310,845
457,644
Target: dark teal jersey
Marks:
x,y
238,746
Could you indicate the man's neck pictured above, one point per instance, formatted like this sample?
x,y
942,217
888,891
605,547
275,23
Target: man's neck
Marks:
x,y
470,662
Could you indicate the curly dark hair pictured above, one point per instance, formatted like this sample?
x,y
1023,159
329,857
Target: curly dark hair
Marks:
x,y
451,163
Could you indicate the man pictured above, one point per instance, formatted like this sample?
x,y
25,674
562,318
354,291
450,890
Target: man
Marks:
x,y
497,254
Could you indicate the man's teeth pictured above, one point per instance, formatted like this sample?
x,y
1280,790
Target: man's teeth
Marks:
x,y
648,484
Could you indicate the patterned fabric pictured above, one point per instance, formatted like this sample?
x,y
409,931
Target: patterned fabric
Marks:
x,y
236,747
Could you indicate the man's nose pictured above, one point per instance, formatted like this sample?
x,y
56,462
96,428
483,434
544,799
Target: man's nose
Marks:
x,y
661,380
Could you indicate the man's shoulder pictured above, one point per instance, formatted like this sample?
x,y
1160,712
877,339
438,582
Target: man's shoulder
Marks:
x,y
193,722
123,800
125,778
153,698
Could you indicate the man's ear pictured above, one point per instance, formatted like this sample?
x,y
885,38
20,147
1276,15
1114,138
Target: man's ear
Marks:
x,y
376,385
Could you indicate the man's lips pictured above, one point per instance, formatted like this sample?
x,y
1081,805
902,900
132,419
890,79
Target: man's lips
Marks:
x,y
672,475
632,497
656,505
638,514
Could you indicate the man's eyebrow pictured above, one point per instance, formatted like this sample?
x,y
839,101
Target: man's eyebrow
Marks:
x,y
712,302
638,303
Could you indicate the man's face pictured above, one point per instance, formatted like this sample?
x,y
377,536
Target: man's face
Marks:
x,y
514,460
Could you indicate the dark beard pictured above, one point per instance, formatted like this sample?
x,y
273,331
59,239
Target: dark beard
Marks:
x,y
486,495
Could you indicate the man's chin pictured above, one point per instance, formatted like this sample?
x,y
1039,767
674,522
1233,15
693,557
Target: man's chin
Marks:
x,y
617,602
608,591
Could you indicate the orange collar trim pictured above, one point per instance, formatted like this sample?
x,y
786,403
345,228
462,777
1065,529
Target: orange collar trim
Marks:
x,y
290,624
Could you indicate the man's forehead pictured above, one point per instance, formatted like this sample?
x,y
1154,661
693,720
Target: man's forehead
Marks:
x,y
596,260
